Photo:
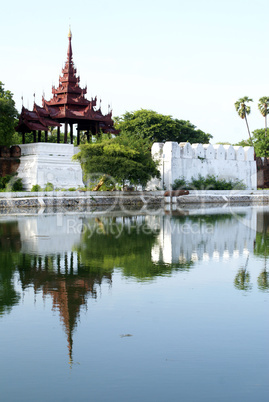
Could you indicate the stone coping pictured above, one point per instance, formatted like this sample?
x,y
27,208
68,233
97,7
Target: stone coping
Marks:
x,y
80,199
78,193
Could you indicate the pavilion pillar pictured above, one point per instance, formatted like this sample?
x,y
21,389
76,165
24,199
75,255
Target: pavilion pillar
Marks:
x,y
88,135
65,132
34,133
58,135
78,136
46,136
71,133
39,136
23,138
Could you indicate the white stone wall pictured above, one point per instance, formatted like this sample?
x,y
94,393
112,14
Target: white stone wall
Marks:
x,y
43,163
187,161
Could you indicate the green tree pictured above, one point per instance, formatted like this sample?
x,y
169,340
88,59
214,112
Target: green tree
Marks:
x,y
159,128
122,158
243,110
8,115
261,143
263,107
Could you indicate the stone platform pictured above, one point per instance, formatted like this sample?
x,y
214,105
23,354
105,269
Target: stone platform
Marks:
x,y
43,163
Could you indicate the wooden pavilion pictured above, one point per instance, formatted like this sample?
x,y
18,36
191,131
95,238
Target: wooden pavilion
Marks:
x,y
68,106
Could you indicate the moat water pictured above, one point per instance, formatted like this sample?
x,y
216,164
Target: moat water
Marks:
x,y
139,306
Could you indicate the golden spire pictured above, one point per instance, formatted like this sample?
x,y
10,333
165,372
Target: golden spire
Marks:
x,y
69,33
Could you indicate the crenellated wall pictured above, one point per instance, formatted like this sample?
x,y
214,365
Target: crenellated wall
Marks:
x,y
187,161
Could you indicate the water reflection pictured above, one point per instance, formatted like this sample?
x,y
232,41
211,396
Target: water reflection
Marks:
x,y
63,278
67,257
10,246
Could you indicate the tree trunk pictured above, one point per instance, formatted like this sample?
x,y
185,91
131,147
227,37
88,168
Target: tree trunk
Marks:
x,y
101,182
248,130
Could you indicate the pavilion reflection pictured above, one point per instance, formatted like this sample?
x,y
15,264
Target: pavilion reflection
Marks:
x,y
68,259
66,281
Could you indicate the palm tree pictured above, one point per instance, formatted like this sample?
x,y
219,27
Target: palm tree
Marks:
x,y
263,106
242,110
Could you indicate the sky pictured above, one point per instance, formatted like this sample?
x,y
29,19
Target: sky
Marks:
x,y
189,59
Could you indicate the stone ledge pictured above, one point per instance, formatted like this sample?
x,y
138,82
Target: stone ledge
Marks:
x,y
78,200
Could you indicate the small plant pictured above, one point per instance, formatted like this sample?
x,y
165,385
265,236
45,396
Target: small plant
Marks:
x,y
10,183
36,188
209,182
16,185
72,189
49,187
180,184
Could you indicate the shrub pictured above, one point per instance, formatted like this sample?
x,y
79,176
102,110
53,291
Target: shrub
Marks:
x,y
180,184
36,188
72,189
209,182
16,185
49,187
10,183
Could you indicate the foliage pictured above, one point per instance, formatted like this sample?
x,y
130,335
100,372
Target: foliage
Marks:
x,y
244,143
263,107
36,188
261,142
180,184
10,183
121,159
8,115
209,182
159,128
243,110
49,187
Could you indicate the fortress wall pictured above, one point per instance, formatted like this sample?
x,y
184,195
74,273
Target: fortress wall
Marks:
x,y
184,160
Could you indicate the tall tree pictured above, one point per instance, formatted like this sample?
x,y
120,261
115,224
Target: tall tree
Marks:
x,y
263,106
160,128
8,114
243,110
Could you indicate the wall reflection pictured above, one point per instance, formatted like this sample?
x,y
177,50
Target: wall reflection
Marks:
x,y
68,257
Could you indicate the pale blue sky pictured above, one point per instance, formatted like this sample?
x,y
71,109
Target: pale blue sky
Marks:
x,y
191,60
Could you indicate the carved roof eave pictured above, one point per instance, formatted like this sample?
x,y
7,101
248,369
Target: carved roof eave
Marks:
x,y
28,126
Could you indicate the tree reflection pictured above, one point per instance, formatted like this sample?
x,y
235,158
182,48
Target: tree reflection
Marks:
x,y
9,254
261,249
242,279
126,244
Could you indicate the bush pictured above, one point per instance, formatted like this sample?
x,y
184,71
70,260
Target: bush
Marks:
x,y
36,188
209,182
72,189
49,187
10,183
180,184
16,185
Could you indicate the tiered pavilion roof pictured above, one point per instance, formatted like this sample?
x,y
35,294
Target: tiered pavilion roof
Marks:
x,y
68,106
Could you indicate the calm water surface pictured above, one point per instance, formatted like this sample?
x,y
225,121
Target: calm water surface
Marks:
x,y
139,307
